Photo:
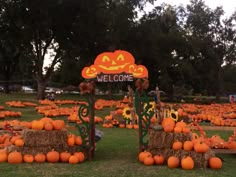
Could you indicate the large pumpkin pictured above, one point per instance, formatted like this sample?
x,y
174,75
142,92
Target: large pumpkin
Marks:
x,y
37,124
173,162
40,158
113,62
215,162
90,72
58,124
15,157
53,156
187,163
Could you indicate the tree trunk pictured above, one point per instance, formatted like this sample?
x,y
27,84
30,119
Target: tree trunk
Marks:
x,y
218,85
41,85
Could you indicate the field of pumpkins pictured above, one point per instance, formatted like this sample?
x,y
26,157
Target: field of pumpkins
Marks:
x,y
178,144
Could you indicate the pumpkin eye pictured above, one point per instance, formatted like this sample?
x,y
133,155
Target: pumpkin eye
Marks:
x,y
120,58
140,69
105,59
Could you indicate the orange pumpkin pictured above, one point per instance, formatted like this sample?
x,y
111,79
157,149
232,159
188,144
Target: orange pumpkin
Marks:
x,y
58,124
53,156
201,147
28,158
159,159
188,145
177,145
19,142
113,62
143,155
37,124
173,162
40,158
187,163
71,140
78,140
64,156
80,156
148,161
215,162
73,159
14,157
48,126
89,72
138,71
3,156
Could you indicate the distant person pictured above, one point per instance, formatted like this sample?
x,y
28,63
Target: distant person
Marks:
x,y
232,99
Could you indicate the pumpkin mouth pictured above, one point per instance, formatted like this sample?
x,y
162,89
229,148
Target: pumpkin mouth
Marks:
x,y
114,67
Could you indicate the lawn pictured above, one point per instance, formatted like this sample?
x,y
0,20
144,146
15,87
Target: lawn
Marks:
x,y
115,156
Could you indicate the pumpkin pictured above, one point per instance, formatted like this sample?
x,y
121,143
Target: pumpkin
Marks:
x,y
173,162
48,126
201,147
64,156
215,163
14,138
177,145
53,156
80,156
78,140
74,159
58,124
186,130
71,140
89,72
187,163
40,158
37,124
14,157
159,159
143,155
178,129
148,161
3,156
19,142
188,145
138,71
28,158
113,62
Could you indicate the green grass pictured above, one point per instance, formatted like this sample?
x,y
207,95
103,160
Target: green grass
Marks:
x,y
116,156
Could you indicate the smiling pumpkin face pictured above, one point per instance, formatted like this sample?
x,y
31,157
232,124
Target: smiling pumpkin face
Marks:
x,y
116,62
138,71
89,72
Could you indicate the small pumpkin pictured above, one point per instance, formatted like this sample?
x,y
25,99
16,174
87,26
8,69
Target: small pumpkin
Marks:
x,y
71,140
53,156
173,162
188,145
73,159
143,155
159,159
148,161
58,124
3,156
177,145
19,142
37,124
78,140
40,158
80,156
64,156
28,158
215,163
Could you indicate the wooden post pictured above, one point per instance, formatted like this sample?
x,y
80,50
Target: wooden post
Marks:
x,y
131,104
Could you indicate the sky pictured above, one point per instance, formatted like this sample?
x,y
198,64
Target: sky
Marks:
x,y
229,6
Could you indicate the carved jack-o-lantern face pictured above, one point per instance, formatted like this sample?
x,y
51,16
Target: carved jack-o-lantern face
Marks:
x,y
89,72
109,62
138,71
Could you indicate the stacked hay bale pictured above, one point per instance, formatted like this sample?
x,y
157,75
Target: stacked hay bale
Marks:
x,y
43,141
161,142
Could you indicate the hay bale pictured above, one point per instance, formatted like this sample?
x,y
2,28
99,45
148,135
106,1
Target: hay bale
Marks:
x,y
161,139
35,138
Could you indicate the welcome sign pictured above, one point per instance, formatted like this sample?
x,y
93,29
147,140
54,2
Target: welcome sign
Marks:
x,y
118,66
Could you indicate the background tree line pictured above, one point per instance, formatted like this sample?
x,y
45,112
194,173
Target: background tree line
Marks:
x,y
187,48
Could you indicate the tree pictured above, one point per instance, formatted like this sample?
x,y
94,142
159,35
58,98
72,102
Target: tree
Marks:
x,y
212,40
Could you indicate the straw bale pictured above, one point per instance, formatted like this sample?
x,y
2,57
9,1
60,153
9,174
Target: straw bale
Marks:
x,y
34,138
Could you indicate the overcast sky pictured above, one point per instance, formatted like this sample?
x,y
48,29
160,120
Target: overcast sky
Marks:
x,y
229,6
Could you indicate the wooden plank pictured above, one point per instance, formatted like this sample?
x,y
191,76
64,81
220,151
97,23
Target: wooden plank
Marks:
x,y
224,151
216,128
